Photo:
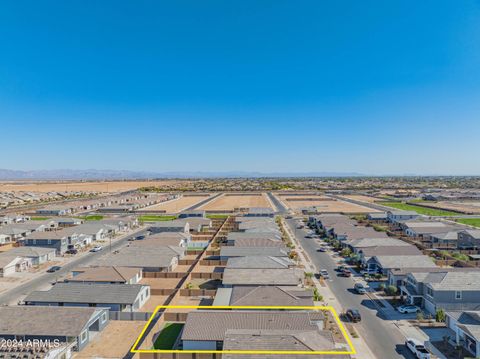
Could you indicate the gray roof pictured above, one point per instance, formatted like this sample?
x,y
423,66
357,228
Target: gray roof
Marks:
x,y
87,293
468,321
465,281
253,235
234,276
228,251
258,242
31,252
219,322
389,261
403,213
259,262
373,242
391,251
270,296
68,321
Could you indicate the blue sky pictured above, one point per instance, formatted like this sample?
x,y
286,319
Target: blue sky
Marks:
x,y
376,87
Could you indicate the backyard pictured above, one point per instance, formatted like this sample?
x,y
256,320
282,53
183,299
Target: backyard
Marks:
x,y
420,210
153,218
475,222
168,336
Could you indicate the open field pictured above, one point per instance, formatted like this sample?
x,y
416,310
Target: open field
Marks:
x,y
90,186
325,204
178,204
464,207
359,197
230,202
475,222
420,210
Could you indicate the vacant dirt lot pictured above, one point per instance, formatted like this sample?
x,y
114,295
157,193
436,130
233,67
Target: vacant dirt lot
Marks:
x,y
93,186
114,341
178,204
359,197
326,205
466,207
230,202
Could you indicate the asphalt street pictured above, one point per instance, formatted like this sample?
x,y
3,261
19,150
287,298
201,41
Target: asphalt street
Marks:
x,y
15,294
383,337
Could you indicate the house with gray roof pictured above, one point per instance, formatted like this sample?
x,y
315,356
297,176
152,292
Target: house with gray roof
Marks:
x,y
365,254
262,330
257,277
73,327
401,216
228,252
263,296
466,326
449,290
233,236
384,263
106,275
469,239
260,212
116,297
176,225
36,255
260,262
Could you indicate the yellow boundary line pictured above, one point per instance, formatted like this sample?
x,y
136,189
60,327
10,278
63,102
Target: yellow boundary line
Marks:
x,y
352,350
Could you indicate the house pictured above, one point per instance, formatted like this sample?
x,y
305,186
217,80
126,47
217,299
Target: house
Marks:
x,y
257,242
9,264
377,217
60,240
233,236
67,221
344,232
116,297
263,296
258,277
228,252
54,210
365,254
384,263
357,244
260,262
150,259
197,224
260,212
36,255
106,275
449,290
170,226
178,239
260,330
443,240
469,239
466,326
398,276
401,216
421,229
193,213
72,327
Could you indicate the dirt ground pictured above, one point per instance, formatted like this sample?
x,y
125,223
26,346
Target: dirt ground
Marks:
x,y
467,207
161,283
93,186
328,206
114,341
359,197
231,202
178,204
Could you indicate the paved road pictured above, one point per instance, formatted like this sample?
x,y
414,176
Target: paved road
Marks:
x,y
201,203
383,338
281,209
15,294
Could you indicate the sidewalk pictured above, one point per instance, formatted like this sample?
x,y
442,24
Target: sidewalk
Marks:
x,y
329,299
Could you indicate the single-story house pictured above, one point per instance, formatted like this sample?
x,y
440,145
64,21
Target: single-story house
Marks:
x,y
193,213
106,275
260,262
229,251
364,254
256,277
9,264
170,226
54,210
178,239
67,221
116,297
233,236
377,217
257,242
401,216
383,263
250,330
72,327
37,255
260,212
263,296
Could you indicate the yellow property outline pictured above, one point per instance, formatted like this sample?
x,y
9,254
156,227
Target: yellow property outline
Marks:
x,y
324,308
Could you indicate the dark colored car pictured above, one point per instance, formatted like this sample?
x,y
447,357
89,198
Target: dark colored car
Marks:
x,y
346,273
354,315
139,238
321,249
53,269
72,251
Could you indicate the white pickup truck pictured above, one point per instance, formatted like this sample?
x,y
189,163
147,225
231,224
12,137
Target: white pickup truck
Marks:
x,y
417,348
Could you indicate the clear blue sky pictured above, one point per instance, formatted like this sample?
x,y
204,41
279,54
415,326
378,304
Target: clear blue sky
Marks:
x,y
377,87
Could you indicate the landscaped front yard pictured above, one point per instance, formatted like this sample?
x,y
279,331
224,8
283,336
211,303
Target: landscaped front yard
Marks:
x,y
156,218
168,336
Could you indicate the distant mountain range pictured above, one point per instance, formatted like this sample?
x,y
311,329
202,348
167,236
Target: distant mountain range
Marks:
x,y
93,174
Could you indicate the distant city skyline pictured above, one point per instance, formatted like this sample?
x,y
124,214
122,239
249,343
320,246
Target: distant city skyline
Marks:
x,y
273,87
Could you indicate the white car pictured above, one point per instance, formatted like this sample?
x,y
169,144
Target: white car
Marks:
x,y
417,348
408,309
96,249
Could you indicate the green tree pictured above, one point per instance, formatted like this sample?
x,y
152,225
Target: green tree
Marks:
x,y
391,290
440,316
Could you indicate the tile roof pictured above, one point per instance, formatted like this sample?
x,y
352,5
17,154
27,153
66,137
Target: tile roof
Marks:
x,y
234,276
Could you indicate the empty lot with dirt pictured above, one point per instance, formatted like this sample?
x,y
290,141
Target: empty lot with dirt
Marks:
x,y
228,202
178,204
325,204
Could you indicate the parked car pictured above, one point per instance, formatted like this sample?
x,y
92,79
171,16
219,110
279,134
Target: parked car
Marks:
x,y
53,269
417,348
408,309
131,239
346,273
308,236
96,249
360,288
324,274
341,268
322,249
353,315
71,251
139,238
